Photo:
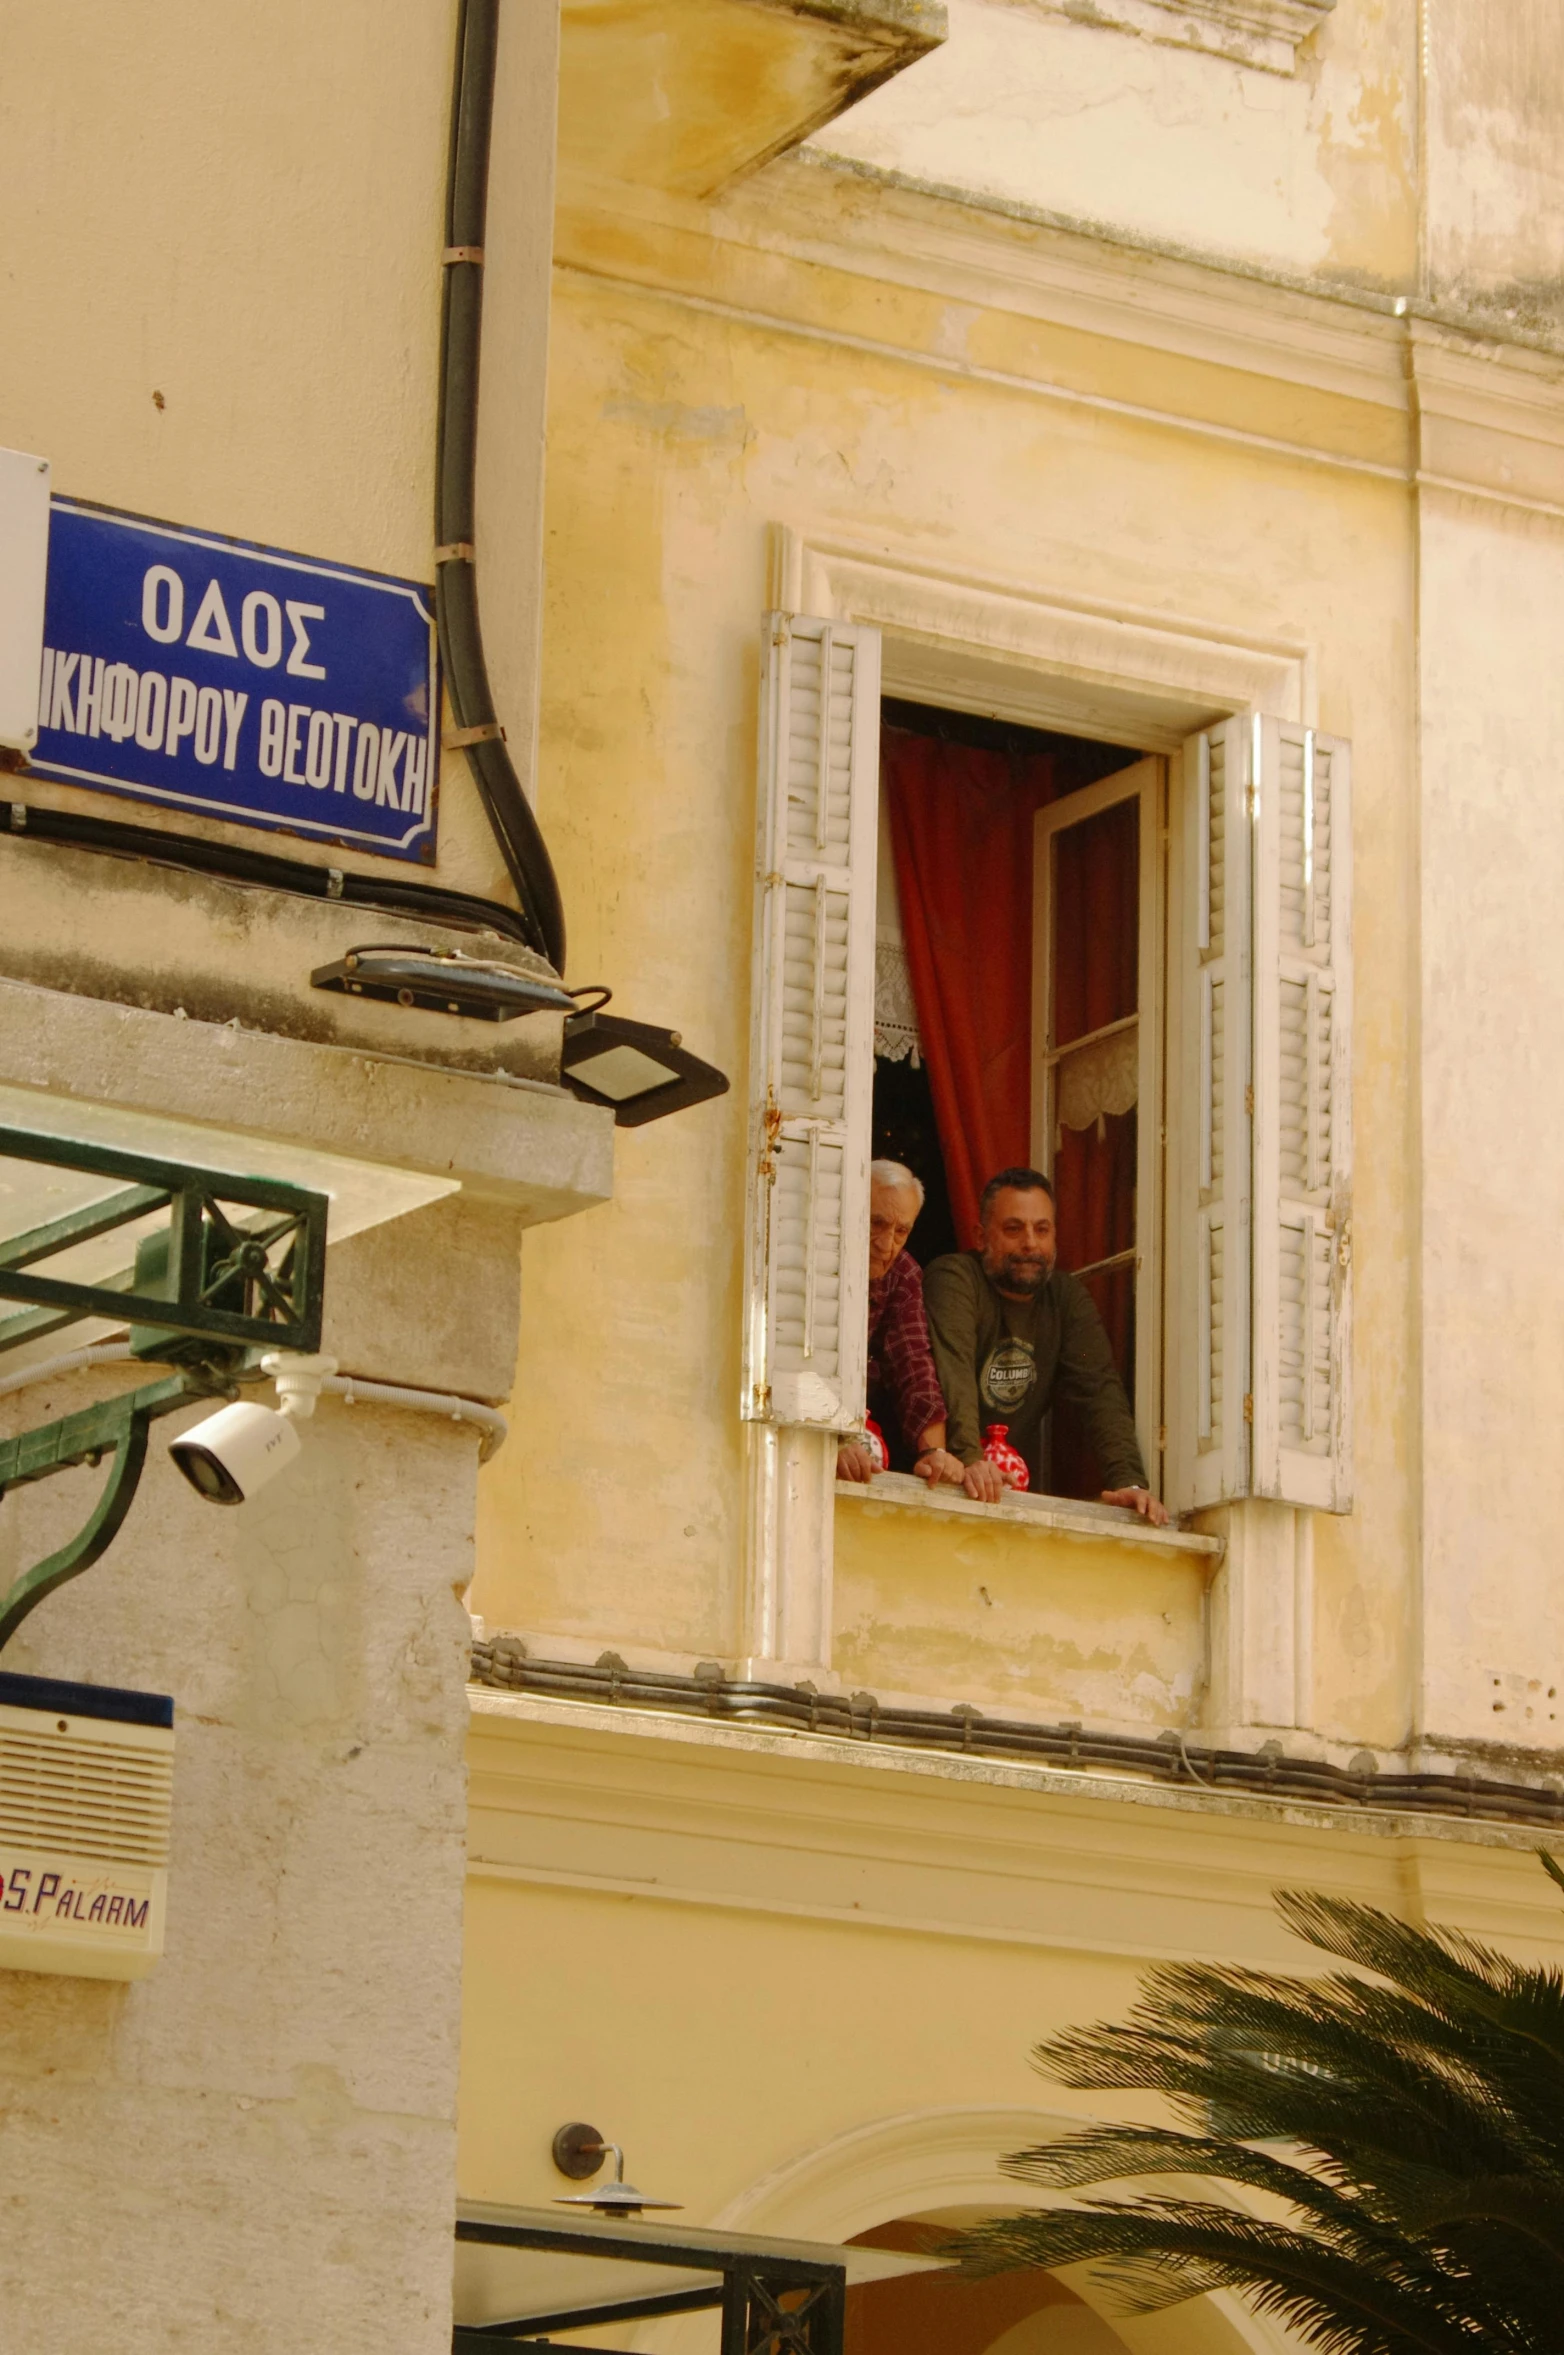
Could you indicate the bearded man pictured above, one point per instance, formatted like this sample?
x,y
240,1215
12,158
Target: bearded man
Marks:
x,y
1011,1332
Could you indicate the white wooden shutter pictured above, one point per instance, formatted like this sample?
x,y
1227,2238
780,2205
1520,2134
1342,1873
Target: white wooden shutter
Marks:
x,y
1303,1117
1210,1296
1261,1012
812,1045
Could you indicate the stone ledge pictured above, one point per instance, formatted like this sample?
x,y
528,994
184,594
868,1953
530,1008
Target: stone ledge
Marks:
x,y
1040,1514
602,1722
534,1148
693,94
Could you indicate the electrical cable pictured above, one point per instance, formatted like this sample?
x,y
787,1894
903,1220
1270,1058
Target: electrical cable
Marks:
x,y
456,582
389,894
352,1388
504,1663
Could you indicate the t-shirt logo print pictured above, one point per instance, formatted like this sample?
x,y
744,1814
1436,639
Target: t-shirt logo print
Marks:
x,y
1008,1373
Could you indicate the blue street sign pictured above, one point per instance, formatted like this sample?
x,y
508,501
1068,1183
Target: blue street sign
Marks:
x,y
239,682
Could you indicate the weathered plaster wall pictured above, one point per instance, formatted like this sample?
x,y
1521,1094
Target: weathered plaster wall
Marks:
x,y
257,2140
678,437
1495,202
255,2144
1047,110
1493,1175
1018,1622
220,306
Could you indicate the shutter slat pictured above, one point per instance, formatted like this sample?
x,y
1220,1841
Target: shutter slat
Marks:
x,y
812,1044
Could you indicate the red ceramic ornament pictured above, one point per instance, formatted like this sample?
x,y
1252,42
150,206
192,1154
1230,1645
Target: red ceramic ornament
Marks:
x,y
998,1450
874,1441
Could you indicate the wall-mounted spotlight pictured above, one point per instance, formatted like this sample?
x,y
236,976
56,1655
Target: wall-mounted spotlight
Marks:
x,y
636,1070
442,981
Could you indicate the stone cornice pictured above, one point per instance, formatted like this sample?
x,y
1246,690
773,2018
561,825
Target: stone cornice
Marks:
x,y
1074,313
821,216
687,1812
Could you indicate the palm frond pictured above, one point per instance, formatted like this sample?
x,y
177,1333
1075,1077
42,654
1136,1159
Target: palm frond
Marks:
x,y
1405,2112
1155,2253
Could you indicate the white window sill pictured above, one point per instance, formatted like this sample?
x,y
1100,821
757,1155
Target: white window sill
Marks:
x,y
1068,1514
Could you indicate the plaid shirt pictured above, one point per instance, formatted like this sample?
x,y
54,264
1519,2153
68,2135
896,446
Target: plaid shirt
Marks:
x,y
901,1362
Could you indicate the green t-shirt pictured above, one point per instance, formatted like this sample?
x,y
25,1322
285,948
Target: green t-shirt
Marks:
x,y
1005,1361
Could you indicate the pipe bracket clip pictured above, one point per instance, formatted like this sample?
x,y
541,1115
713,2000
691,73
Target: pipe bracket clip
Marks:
x,y
462,253
455,552
457,739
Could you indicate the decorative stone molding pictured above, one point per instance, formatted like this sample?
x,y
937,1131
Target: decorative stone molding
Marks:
x,y
1264,33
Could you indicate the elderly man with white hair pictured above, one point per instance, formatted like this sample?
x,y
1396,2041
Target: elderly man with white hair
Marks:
x,y
905,1398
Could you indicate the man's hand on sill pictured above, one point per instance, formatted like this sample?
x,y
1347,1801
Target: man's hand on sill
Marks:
x,y
854,1462
1139,1500
936,1465
985,1483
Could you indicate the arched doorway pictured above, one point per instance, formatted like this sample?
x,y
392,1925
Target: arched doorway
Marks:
x,y
1012,2314
940,2167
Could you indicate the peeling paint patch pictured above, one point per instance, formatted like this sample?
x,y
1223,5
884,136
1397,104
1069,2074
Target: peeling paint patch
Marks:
x,y
677,421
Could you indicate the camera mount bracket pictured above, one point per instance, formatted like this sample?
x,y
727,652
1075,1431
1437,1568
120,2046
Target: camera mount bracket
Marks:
x,y
118,1428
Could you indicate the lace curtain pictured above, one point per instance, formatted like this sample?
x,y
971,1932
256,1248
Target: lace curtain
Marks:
x,y
895,1012
1098,1080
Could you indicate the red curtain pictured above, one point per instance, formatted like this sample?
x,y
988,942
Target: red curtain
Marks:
x,y
961,829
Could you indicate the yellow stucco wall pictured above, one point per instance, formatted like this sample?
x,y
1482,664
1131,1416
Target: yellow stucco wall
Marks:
x,y
799,1983
678,439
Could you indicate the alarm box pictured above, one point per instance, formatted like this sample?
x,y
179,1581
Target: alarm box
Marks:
x,y
86,1797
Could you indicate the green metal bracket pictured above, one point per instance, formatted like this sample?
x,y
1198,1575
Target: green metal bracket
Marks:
x,y
117,1428
240,1263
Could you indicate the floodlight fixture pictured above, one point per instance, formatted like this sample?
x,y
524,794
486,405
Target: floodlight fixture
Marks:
x,y
641,1072
636,1070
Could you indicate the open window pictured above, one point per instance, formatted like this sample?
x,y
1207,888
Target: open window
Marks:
x,y
1140,983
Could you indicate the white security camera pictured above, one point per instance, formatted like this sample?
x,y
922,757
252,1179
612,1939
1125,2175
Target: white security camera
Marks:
x,y
232,1455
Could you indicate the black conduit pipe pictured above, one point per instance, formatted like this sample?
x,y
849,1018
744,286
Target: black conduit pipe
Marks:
x,y
456,584
193,855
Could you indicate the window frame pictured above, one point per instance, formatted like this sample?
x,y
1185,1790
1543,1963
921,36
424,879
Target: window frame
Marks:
x,y
1024,649
1054,818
